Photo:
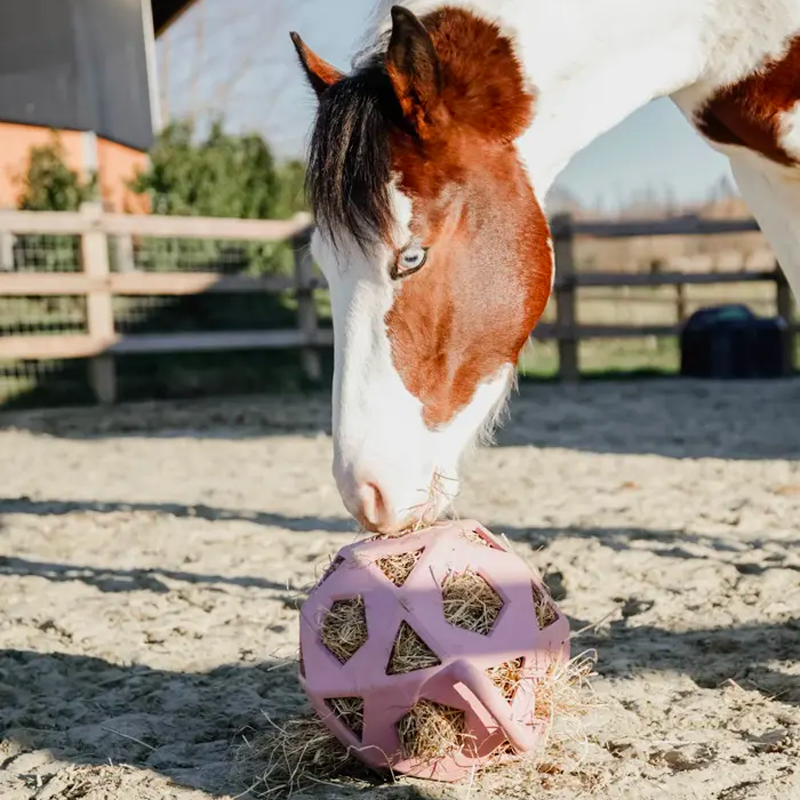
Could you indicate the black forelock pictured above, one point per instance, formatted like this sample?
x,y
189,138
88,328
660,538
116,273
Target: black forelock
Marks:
x,y
349,158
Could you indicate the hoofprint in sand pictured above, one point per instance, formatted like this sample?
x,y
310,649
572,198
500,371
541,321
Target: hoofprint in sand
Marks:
x,y
152,559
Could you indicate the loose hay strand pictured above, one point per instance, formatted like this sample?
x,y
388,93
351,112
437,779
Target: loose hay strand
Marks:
x,y
563,697
290,757
470,602
431,730
331,568
426,512
564,694
344,629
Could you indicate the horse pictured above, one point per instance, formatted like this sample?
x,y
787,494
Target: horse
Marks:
x,y
428,163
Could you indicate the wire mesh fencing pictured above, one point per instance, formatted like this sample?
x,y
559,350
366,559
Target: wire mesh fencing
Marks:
x,y
174,307
42,253
150,317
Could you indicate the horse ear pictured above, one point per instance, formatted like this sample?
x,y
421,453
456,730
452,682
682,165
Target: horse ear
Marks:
x,y
414,69
321,75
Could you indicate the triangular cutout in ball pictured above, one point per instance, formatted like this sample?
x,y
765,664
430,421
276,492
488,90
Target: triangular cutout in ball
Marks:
x,y
410,653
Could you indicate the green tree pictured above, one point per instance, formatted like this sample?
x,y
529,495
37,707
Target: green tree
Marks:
x,y
291,183
50,185
223,175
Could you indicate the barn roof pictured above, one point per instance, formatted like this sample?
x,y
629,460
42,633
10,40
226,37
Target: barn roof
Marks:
x,y
165,12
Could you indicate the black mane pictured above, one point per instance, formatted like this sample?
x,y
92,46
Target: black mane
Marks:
x,y
349,162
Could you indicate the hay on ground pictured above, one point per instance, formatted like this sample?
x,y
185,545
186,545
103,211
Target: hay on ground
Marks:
x,y
344,629
287,758
302,752
470,602
563,695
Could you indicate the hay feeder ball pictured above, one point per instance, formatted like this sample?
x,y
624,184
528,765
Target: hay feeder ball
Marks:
x,y
423,653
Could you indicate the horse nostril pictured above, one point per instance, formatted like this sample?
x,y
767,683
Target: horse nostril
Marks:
x,y
372,510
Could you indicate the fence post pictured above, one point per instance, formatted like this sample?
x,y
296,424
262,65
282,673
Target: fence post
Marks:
x,y
307,320
99,310
680,302
785,306
126,259
566,308
6,251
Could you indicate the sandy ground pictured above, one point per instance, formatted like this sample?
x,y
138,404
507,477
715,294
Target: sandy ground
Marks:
x,y
150,559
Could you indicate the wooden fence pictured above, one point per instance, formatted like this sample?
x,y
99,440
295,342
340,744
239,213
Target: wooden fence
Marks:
x,y
568,332
98,283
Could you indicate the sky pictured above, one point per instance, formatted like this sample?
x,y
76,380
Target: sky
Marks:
x,y
233,58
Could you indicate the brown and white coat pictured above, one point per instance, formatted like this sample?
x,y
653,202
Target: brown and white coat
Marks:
x,y
428,167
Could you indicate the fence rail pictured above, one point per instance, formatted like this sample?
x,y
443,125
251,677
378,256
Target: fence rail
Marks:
x,y
91,217
568,333
174,284
688,225
99,285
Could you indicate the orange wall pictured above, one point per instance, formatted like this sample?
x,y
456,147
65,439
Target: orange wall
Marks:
x,y
116,164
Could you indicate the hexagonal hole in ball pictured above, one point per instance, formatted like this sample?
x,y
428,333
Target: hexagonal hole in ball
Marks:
x,y
432,730
470,602
344,628
399,567
350,710
508,676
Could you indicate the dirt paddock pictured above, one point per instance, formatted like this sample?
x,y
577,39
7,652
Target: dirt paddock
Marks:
x,y
151,559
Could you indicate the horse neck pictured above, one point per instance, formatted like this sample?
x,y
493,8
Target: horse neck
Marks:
x,y
590,62
594,62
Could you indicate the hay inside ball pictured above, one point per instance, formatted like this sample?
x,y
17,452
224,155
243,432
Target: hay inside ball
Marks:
x,y
423,654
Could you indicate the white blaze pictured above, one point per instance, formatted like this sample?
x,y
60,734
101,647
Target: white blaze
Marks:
x,y
380,436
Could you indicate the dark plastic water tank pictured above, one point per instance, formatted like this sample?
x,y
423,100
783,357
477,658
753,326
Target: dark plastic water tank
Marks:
x,y
729,341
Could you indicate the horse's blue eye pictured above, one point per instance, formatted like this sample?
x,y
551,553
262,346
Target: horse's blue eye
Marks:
x,y
410,260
